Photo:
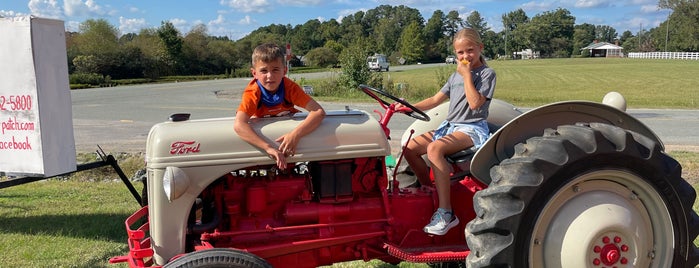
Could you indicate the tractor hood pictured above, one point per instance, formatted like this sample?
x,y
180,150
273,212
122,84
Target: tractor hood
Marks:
x,y
342,134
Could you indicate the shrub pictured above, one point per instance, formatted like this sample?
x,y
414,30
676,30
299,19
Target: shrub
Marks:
x,y
354,68
92,79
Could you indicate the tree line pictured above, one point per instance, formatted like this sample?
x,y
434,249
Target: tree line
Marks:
x,y
399,32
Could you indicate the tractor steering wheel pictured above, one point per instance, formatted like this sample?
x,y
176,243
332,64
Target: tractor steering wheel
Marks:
x,y
413,112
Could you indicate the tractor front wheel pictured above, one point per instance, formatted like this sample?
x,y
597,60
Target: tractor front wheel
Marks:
x,y
586,195
218,258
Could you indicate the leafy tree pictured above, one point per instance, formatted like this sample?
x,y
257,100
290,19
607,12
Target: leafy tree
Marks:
x,y
624,36
306,37
476,22
173,42
330,30
453,23
321,57
435,27
490,42
222,59
386,33
97,37
86,64
98,44
437,43
683,30
583,35
195,53
353,28
71,49
544,27
412,43
605,33
155,55
335,46
354,68
514,24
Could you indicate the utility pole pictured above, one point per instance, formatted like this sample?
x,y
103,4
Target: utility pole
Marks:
x,y
640,33
667,29
507,55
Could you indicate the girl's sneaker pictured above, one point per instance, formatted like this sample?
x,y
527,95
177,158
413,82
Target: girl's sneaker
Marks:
x,y
442,221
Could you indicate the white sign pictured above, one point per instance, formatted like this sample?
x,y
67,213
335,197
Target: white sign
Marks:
x,y
36,121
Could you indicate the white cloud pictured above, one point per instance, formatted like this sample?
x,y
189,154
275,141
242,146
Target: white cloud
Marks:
x,y
218,21
10,13
536,7
45,9
182,25
649,8
80,8
259,6
131,25
300,2
246,21
592,3
346,12
641,2
72,26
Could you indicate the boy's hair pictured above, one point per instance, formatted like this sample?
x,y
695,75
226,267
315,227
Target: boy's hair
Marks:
x,y
267,52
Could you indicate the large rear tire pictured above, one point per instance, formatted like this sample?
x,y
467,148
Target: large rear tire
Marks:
x,y
218,258
588,195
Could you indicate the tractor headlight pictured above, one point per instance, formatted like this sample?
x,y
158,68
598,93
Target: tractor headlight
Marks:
x,y
616,100
175,182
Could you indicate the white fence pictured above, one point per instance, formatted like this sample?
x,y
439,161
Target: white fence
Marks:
x,y
665,55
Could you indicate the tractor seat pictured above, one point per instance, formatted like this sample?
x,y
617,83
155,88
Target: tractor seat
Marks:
x,y
465,155
462,156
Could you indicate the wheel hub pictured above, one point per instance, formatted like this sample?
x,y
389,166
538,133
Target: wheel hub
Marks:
x,y
603,219
610,251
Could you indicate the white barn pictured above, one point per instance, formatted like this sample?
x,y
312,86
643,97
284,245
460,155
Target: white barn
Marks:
x,y
604,49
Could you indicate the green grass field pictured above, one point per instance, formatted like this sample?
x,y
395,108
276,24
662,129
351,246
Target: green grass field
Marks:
x,y
531,83
79,222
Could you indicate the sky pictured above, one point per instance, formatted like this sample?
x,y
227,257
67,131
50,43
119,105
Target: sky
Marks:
x,y
237,18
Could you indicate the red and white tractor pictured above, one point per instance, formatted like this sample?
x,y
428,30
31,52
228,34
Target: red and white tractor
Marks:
x,y
569,184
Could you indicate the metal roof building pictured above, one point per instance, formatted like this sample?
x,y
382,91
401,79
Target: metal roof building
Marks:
x,y
604,49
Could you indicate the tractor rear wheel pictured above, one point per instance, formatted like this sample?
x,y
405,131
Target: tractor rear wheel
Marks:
x,y
585,195
219,258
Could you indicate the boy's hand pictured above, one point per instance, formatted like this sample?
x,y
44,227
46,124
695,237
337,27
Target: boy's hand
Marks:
x,y
278,156
288,143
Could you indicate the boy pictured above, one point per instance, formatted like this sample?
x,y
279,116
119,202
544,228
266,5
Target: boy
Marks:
x,y
271,93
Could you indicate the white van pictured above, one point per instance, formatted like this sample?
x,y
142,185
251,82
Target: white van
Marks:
x,y
377,62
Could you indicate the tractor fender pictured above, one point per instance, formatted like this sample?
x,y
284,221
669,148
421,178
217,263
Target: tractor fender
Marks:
x,y
501,144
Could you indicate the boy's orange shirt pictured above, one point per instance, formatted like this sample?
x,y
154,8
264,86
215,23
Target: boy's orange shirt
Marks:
x,y
294,95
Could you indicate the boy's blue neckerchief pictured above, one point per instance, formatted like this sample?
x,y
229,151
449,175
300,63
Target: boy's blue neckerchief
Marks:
x,y
271,99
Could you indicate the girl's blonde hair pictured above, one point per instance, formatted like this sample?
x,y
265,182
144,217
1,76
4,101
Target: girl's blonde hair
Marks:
x,y
472,36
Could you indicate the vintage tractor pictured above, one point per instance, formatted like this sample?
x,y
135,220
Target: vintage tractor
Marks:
x,y
570,184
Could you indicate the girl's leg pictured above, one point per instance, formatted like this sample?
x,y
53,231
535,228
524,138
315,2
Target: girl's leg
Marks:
x,y
413,155
436,153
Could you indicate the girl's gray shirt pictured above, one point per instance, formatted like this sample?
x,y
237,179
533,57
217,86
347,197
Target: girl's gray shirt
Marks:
x,y
459,112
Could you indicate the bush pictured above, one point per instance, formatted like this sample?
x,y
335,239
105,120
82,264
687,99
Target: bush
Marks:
x,y
321,57
354,68
92,79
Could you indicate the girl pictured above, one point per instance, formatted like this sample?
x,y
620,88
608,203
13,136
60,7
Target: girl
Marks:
x,y
469,90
